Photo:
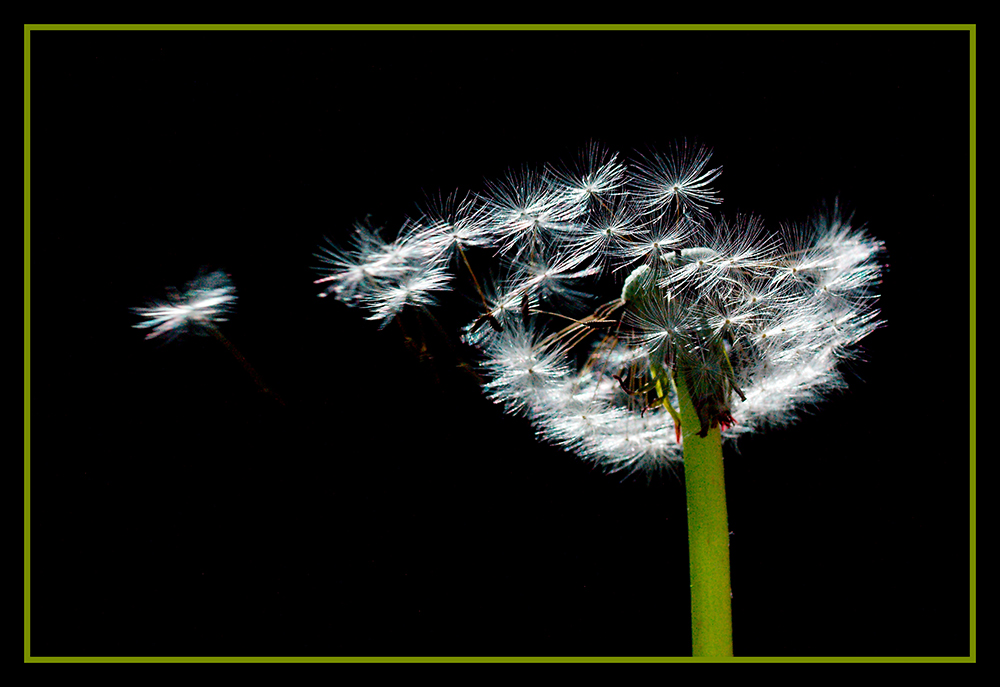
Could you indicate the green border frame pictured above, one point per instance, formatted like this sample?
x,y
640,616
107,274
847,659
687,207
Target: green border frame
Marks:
x,y
28,28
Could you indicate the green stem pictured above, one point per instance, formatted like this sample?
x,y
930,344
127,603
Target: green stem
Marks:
x,y
708,534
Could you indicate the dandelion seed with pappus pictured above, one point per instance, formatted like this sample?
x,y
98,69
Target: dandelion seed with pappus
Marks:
x,y
204,302
635,328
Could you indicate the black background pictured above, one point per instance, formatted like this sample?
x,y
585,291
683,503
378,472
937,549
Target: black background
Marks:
x,y
388,509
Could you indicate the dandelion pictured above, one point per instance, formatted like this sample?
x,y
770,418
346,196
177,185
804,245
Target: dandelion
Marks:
x,y
529,213
678,179
703,329
608,234
449,226
204,302
592,180
417,287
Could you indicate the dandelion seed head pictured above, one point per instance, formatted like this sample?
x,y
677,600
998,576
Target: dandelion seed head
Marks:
x,y
612,283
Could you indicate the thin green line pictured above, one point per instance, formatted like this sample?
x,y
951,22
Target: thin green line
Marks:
x,y
371,659
28,28
972,343
27,344
500,27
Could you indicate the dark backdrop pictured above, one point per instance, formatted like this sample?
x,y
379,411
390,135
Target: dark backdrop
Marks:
x,y
387,508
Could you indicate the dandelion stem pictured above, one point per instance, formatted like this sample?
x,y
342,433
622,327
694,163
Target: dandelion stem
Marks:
x,y
474,280
243,361
708,534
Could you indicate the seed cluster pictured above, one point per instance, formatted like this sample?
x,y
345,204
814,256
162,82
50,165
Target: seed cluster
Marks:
x,y
611,282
